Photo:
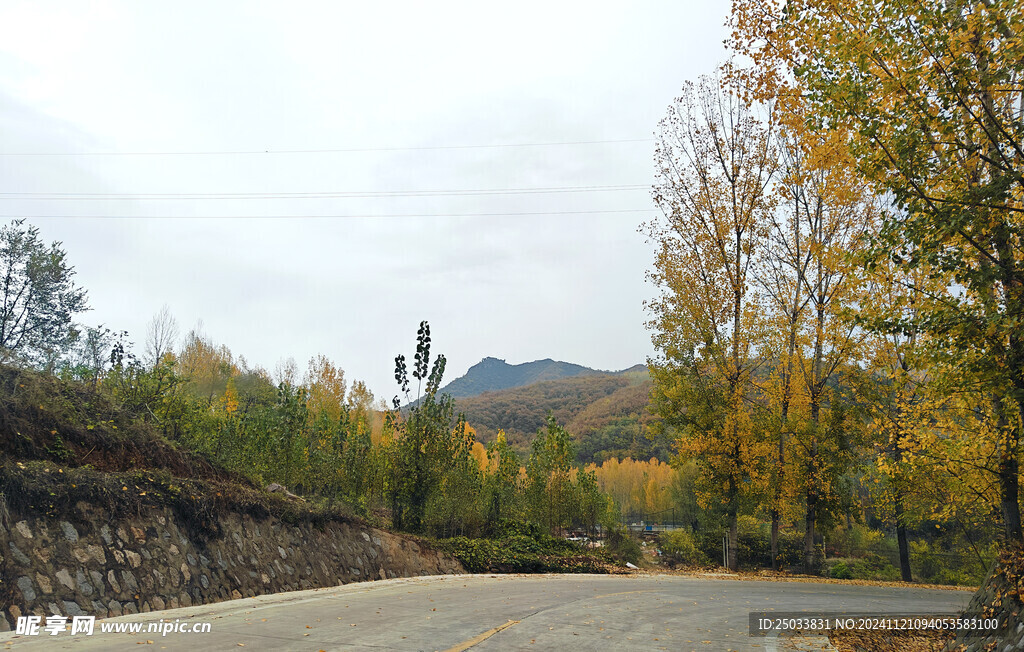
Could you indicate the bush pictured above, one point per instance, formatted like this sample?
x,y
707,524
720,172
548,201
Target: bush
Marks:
x,y
520,554
514,527
841,571
754,549
936,565
623,547
678,547
874,567
855,540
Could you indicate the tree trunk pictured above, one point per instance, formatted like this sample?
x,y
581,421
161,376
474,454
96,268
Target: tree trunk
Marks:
x,y
733,538
775,539
901,540
810,567
1009,489
901,529
1009,485
817,388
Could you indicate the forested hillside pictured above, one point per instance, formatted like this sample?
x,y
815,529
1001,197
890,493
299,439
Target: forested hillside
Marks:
x,y
606,413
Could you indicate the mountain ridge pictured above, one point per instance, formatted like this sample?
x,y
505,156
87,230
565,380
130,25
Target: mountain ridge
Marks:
x,y
494,374
606,413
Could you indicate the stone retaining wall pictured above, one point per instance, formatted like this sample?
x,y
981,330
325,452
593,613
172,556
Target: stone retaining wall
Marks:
x,y
107,568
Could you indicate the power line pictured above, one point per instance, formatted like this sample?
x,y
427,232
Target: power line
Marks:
x,y
307,217
87,196
333,150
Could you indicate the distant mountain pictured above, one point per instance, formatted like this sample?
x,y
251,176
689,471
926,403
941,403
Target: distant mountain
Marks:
x,y
605,412
492,374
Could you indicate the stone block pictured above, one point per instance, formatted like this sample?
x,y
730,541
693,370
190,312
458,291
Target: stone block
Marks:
x,y
70,533
19,556
22,528
129,581
25,586
45,586
84,587
114,584
97,581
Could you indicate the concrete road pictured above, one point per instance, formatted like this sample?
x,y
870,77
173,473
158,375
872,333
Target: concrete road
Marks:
x,y
502,612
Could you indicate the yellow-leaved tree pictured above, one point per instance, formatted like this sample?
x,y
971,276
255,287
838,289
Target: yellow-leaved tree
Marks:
x,y
714,166
928,98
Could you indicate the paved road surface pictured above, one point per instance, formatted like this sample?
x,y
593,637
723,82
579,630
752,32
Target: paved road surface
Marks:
x,y
500,612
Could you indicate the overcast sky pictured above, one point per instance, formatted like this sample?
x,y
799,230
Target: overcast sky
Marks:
x,y
179,151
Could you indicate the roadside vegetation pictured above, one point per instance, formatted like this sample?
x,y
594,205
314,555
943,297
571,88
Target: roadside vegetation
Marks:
x,y
187,424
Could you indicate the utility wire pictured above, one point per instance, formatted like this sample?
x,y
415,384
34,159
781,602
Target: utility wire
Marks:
x,y
332,151
87,196
308,217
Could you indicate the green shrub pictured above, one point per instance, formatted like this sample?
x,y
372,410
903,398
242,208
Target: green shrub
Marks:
x,y
513,527
841,571
932,563
622,547
855,540
753,547
874,567
521,554
678,547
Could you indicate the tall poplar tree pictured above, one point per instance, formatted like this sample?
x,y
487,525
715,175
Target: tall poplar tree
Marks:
x,y
714,165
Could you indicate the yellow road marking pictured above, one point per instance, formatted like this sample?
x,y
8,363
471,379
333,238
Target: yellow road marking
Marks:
x,y
479,638
607,595
491,632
